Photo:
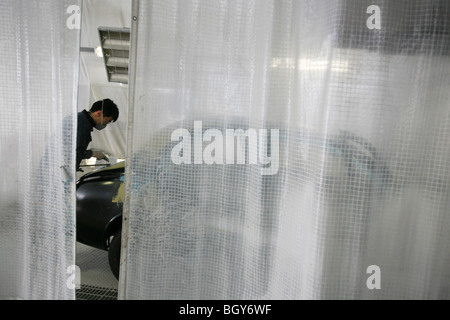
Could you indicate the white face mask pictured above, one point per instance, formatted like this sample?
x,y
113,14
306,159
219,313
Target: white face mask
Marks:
x,y
101,126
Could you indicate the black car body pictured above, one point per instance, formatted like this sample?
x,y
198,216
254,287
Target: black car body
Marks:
x,y
99,210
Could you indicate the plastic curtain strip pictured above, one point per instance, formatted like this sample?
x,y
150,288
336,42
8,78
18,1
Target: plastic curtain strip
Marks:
x,y
289,150
38,107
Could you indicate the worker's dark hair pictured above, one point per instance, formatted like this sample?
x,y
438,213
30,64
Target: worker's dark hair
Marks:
x,y
109,108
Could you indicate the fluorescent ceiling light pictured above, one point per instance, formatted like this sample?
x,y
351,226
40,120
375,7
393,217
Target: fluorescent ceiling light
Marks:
x,y
117,77
117,62
115,45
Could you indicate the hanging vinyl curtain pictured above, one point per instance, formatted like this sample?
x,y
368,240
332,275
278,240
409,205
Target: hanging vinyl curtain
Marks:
x,y
39,75
288,150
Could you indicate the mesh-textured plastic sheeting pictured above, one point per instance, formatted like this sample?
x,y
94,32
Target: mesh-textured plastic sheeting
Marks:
x,y
39,75
345,195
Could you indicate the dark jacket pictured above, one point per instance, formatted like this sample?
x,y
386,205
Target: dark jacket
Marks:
x,y
84,128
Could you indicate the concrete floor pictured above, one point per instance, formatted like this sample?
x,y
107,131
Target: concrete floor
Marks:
x,y
97,280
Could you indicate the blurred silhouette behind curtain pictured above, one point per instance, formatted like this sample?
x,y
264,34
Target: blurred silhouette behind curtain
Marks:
x,y
360,95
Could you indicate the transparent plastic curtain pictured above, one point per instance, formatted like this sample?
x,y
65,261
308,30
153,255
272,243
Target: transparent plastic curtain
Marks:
x,y
343,189
39,73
